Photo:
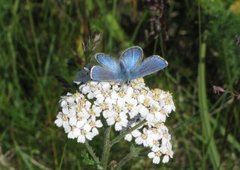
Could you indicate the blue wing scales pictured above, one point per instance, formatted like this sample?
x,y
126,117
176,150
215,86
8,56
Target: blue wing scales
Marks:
x,y
99,73
131,57
149,66
108,62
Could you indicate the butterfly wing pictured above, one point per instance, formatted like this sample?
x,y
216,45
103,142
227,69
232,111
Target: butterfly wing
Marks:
x,y
149,66
108,71
107,62
99,73
82,77
131,57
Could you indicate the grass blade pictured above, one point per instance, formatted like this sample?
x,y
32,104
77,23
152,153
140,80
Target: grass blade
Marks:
x,y
204,113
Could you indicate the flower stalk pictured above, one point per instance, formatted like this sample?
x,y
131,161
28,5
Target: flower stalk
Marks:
x,y
106,148
91,152
122,162
134,152
122,135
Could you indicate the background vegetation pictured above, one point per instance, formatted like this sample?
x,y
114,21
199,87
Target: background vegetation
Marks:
x,y
41,41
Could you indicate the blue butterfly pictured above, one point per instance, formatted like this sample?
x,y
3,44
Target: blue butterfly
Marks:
x,y
130,66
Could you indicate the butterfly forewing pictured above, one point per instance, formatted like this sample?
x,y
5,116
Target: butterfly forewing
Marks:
x,y
149,66
99,73
131,57
108,62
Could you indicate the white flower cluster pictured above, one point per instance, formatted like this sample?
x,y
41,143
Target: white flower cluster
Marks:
x,y
122,106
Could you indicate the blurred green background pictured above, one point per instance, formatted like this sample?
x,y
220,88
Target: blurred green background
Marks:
x,y
44,41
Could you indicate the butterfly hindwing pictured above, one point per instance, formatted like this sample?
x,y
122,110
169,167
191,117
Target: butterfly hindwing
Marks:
x,y
82,77
131,57
99,73
108,62
149,66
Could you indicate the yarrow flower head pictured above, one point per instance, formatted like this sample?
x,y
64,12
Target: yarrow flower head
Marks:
x,y
123,107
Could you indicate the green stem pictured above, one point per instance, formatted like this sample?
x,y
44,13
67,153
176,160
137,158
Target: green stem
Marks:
x,y
122,135
106,148
204,112
208,133
91,152
134,153
63,154
124,160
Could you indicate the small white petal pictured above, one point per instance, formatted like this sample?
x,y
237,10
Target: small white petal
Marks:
x,y
97,110
124,122
150,118
128,137
96,92
167,108
109,101
160,117
173,107
139,140
106,113
63,103
105,86
88,105
81,139
98,123
143,111
71,135
155,149
121,102
141,98
73,121
94,83
58,122
110,121
87,127
149,142
67,128
76,132
81,123
118,126
134,112
154,103
65,110
85,89
70,100
165,159
99,98
65,124
123,115
72,112
136,133
156,160
95,131
114,95
129,91
151,155
90,95
145,143
89,136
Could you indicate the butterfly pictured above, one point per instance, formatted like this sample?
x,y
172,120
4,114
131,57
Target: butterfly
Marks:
x,y
129,66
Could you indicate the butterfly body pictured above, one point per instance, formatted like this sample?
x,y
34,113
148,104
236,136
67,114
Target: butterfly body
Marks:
x,y
130,66
125,74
